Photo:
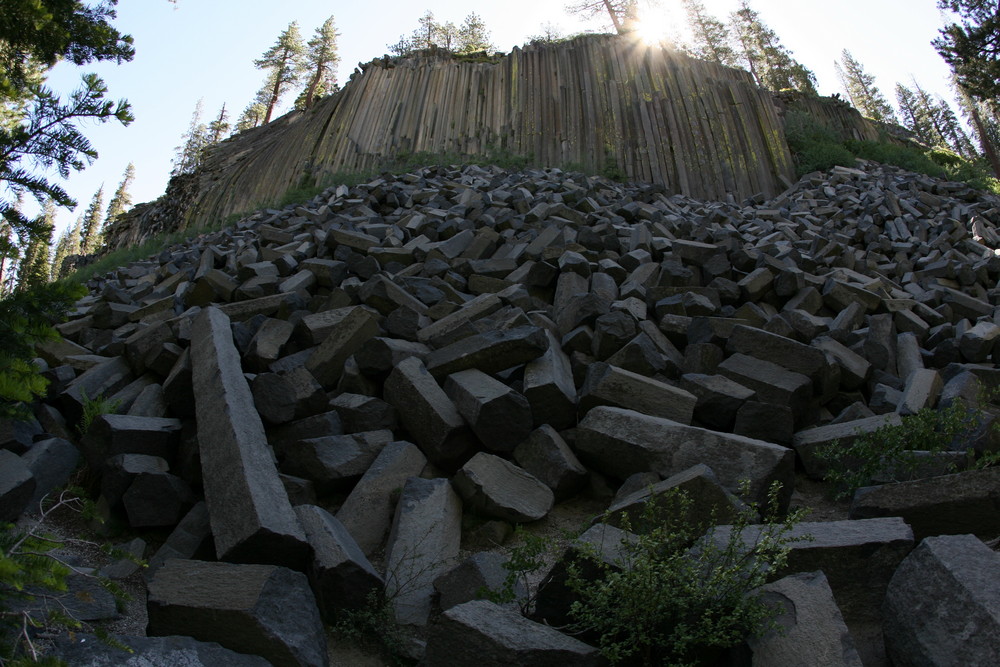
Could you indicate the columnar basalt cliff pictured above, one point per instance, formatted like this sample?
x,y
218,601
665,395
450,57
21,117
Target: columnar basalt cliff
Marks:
x,y
599,103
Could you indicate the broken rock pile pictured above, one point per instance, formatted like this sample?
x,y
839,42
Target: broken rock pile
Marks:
x,y
338,382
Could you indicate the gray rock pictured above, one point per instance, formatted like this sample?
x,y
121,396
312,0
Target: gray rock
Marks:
x,y
363,413
86,650
490,352
367,513
857,557
811,627
17,485
923,387
344,338
427,413
334,462
499,416
486,634
942,606
249,509
621,442
191,539
263,610
423,543
51,463
157,499
112,434
340,575
609,385
499,489
549,387
483,571
546,456
718,399
772,383
785,352
965,502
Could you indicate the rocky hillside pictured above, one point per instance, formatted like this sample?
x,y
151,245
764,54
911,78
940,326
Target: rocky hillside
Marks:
x,y
365,391
606,104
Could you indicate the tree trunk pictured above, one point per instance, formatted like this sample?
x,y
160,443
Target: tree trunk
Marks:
x,y
313,85
614,16
273,101
988,148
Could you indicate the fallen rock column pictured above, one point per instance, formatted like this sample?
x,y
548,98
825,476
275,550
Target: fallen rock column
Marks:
x,y
252,519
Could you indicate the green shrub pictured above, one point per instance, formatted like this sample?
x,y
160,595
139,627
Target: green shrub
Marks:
x,y
814,146
905,157
94,408
666,603
890,453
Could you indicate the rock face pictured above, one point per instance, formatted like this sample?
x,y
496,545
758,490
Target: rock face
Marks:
x,y
441,354
260,609
943,604
565,132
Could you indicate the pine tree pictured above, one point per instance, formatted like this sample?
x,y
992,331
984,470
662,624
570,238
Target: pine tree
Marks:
x,y
252,116
711,37
770,63
188,154
36,264
473,36
623,13
218,128
121,201
912,116
68,245
985,121
862,91
972,47
91,234
284,64
321,61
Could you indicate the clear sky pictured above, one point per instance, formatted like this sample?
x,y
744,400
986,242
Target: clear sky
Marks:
x,y
204,49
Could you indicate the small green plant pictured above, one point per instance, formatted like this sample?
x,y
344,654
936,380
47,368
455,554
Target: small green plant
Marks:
x,y
94,408
372,626
524,559
895,453
666,602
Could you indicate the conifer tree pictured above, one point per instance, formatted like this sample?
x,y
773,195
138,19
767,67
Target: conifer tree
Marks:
x,y
219,128
36,264
68,245
321,62
862,91
711,37
971,46
91,234
188,154
770,63
283,61
252,116
985,121
121,201
473,36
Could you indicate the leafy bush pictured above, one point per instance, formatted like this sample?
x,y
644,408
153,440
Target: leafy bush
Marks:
x,y
906,157
94,408
894,453
674,596
816,147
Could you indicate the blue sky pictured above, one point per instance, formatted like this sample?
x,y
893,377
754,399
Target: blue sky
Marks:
x,y
204,49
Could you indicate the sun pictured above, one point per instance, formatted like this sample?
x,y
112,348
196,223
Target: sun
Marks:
x,y
653,26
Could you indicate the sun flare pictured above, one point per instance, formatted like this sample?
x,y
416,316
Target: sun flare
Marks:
x,y
653,26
